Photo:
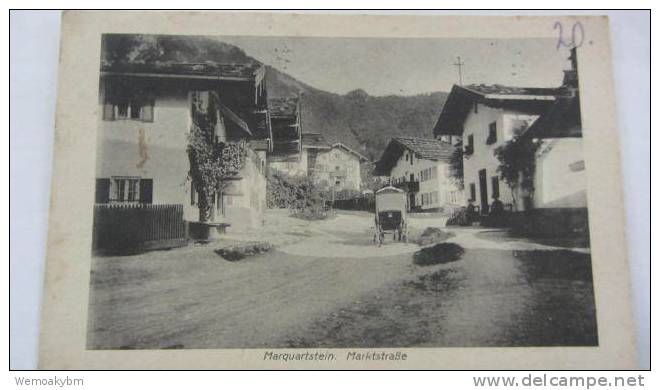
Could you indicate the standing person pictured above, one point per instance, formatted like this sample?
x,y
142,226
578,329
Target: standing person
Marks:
x,y
471,212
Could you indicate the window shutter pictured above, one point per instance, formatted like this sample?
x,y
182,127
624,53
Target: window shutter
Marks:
x,y
146,190
102,190
108,111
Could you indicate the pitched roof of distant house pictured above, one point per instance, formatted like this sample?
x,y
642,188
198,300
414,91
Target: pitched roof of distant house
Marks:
x,y
342,146
283,106
423,148
562,119
204,70
461,100
314,141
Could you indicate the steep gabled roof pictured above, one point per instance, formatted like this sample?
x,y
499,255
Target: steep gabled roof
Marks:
x,y
353,152
423,148
562,119
314,141
462,98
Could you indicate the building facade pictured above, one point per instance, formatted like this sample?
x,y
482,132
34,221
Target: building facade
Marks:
x,y
422,167
333,167
336,168
143,133
486,117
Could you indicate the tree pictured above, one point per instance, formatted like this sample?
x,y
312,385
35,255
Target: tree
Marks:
x,y
518,162
211,162
369,181
456,166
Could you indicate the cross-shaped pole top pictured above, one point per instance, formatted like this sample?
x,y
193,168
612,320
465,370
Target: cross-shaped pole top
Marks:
x,y
459,64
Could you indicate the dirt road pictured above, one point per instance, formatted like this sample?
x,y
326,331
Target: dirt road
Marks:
x,y
327,284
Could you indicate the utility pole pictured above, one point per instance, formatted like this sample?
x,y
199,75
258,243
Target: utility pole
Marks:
x,y
459,64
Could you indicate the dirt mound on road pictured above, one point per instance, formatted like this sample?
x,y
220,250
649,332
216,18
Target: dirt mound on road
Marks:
x,y
438,254
432,235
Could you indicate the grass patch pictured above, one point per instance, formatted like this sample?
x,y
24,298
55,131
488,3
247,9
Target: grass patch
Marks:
x,y
438,254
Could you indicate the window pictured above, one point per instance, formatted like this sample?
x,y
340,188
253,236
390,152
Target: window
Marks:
x,y
411,159
469,148
473,192
124,189
495,181
576,166
492,134
193,194
132,190
124,102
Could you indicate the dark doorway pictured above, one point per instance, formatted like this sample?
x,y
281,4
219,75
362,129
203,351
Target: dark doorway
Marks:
x,y
483,191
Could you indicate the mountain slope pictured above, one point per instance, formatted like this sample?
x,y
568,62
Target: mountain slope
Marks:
x,y
363,122
357,119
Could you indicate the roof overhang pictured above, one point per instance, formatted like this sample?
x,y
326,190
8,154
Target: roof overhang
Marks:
x,y
388,159
561,120
461,100
180,76
358,155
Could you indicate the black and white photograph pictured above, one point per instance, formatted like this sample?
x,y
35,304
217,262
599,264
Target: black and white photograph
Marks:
x,y
330,192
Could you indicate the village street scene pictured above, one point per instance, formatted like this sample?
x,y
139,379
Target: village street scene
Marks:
x,y
238,206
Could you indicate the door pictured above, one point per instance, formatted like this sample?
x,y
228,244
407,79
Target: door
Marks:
x,y
483,191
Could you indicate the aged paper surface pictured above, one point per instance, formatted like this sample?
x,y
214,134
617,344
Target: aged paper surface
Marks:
x,y
212,329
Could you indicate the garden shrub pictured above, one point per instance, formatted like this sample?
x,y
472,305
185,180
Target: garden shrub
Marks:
x,y
298,194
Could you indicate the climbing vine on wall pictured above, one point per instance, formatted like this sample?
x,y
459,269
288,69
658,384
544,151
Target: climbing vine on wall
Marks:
x,y
211,162
517,159
456,166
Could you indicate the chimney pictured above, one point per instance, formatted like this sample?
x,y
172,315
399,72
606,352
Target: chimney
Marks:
x,y
571,75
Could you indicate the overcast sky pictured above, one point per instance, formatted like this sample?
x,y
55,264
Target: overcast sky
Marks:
x,y
408,66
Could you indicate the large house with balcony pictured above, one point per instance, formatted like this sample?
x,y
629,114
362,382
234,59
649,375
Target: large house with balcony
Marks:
x,y
422,168
146,113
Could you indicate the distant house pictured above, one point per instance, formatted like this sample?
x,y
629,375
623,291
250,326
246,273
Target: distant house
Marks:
x,y
336,168
287,154
483,117
421,167
146,115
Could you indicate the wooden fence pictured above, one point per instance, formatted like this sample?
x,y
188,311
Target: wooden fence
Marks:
x,y
120,228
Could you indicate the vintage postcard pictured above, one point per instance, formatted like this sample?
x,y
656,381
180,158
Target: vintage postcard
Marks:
x,y
308,191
